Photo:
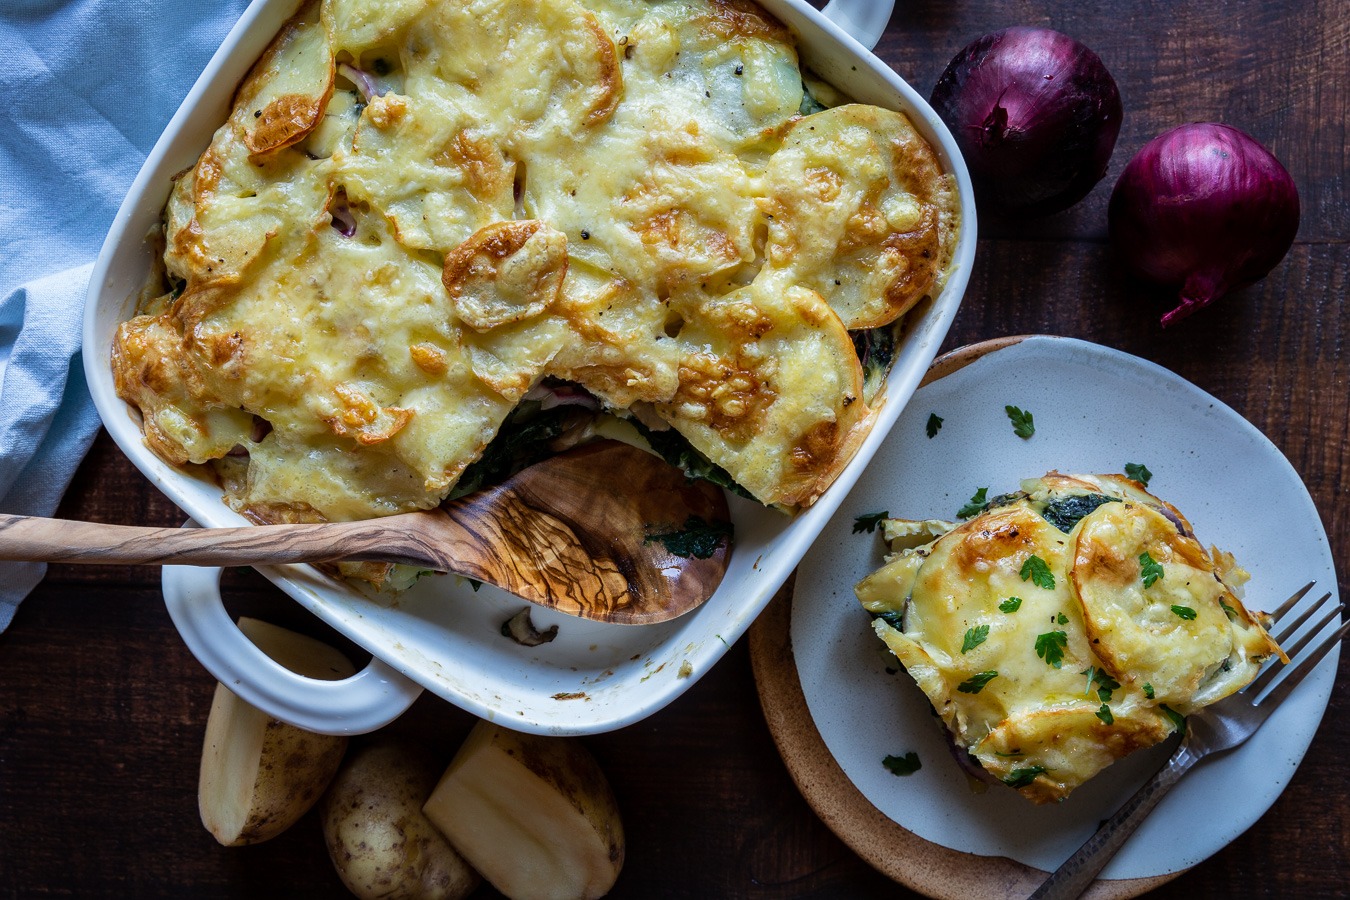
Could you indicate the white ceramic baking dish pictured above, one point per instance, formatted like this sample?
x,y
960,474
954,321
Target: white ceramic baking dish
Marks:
x,y
442,635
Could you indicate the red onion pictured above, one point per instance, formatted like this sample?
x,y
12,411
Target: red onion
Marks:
x,y
1204,208
1035,114
364,81
341,215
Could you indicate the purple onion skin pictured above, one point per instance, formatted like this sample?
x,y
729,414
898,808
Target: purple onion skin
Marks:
x,y
1036,115
1203,208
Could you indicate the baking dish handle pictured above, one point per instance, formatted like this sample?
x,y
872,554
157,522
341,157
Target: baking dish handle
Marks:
x,y
371,698
864,20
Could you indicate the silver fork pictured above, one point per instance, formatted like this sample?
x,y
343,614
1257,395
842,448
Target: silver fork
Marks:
x,y
1214,729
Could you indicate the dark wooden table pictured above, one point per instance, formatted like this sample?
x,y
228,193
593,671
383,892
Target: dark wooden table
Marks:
x,y
102,708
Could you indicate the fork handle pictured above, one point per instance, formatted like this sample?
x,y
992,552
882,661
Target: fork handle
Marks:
x,y
1077,872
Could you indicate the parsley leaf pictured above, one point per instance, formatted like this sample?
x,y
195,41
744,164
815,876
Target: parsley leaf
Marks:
x,y
868,522
1050,647
1139,472
1105,715
1036,569
1105,683
1184,612
1022,423
1061,619
696,538
1148,690
902,765
975,683
1149,569
1228,611
975,504
934,424
974,637
1010,605
1023,777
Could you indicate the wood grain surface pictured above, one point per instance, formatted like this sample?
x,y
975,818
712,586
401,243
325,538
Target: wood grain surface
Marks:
x,y
102,708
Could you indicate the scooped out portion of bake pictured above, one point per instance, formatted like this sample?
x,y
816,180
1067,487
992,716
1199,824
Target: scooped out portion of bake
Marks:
x,y
1063,627
428,222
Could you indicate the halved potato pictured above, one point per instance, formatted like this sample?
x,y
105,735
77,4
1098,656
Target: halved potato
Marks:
x,y
259,775
533,814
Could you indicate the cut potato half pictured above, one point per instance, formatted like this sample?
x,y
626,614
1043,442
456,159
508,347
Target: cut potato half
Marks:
x,y
533,814
259,775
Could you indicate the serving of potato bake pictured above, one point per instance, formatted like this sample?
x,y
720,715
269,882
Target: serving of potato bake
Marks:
x,y
1063,626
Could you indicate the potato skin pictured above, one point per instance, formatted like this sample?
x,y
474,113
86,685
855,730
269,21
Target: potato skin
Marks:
x,y
380,842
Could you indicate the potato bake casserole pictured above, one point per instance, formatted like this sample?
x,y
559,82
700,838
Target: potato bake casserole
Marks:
x,y
427,224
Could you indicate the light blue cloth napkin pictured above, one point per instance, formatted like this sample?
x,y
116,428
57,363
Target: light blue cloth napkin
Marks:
x,y
87,87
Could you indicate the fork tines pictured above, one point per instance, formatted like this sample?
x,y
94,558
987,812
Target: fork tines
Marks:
x,y
1300,664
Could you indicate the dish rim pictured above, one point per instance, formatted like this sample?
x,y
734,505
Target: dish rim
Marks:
x,y
191,127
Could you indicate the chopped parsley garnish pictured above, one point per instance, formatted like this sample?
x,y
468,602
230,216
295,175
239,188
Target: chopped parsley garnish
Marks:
x,y
1023,777
974,637
1010,605
975,683
1148,690
868,522
1050,647
1105,715
1061,619
696,538
1228,611
1022,423
1036,569
902,765
1139,472
974,505
1150,570
1105,683
1177,719
1184,612
934,424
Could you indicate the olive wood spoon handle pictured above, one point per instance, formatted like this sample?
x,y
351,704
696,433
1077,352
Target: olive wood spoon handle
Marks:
x,y
577,533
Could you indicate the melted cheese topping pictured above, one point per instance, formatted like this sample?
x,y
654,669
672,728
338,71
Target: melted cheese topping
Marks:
x,y
419,209
1046,683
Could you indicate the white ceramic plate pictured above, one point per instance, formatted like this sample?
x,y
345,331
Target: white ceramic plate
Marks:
x,y
442,635
1095,410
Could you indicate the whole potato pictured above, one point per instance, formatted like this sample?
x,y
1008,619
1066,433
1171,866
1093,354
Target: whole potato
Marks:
x,y
379,840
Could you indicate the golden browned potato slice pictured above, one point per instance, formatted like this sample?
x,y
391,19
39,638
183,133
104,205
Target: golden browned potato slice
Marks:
x,y
427,163
730,68
1169,621
248,186
770,390
563,76
1047,753
860,212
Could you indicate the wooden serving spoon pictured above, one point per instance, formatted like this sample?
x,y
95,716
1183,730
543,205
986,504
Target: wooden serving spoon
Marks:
x,y
585,532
